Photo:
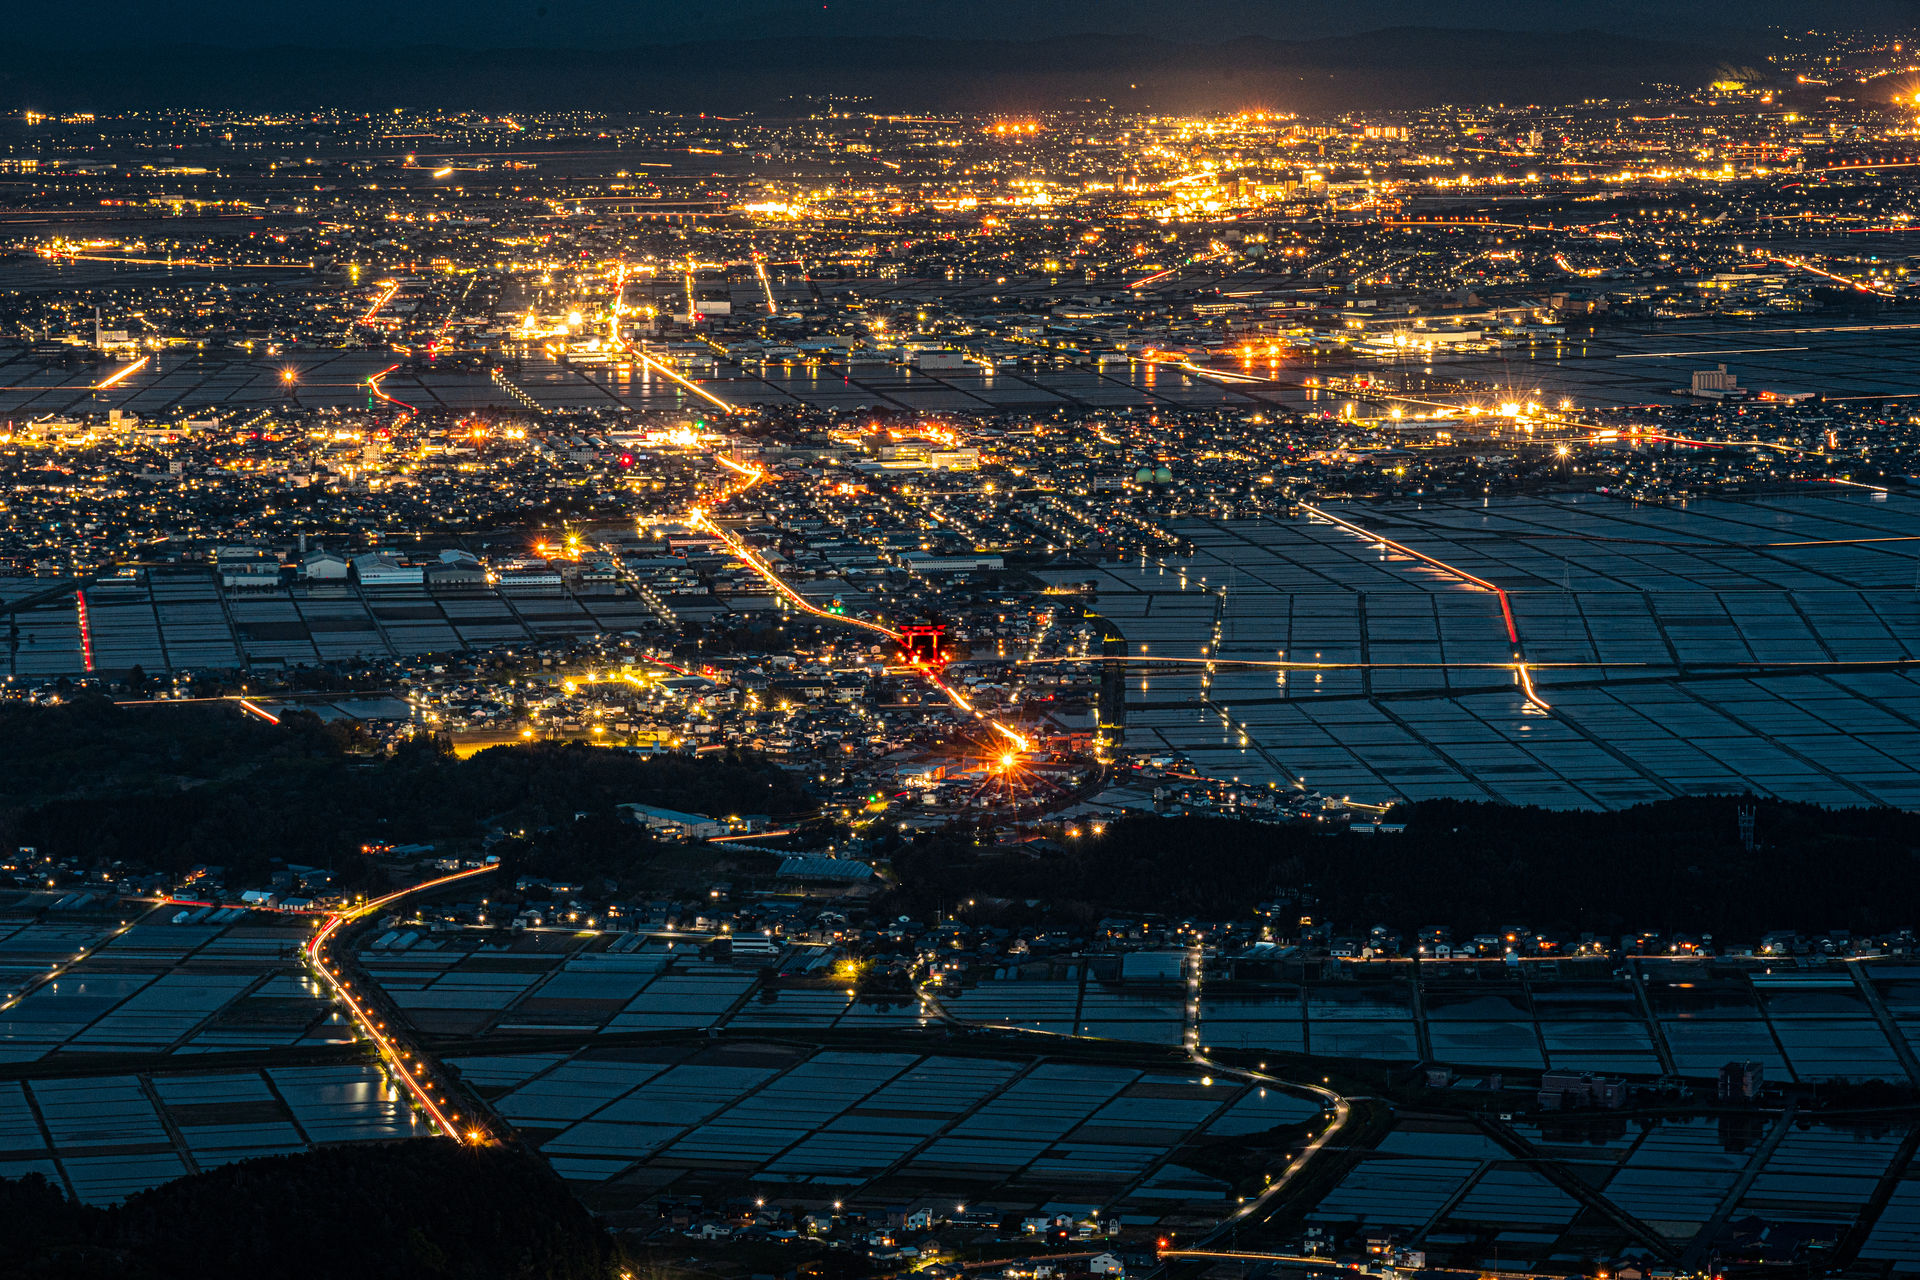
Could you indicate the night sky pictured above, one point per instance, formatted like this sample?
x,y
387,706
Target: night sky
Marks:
x,y
598,23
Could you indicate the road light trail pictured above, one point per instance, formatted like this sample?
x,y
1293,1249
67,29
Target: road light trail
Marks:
x,y
1803,265
171,262
646,358
1506,606
1299,1259
661,369
1342,1108
617,308
1284,664
1311,1262
747,556
1526,686
1189,367
390,1050
373,388
32,985
751,558
1506,610
1855,484
122,375
700,518
1718,351
386,296
766,286
1158,276
1635,435
86,628
446,321
1653,437
1019,740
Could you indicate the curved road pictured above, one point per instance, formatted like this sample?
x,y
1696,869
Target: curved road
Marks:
x,y
422,1076
1341,1107
419,1073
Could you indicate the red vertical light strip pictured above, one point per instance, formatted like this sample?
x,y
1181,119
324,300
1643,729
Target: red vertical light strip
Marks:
x,y
1506,610
86,633
1506,607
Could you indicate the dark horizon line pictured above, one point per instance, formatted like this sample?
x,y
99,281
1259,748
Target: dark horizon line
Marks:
x,y
1182,40
1391,67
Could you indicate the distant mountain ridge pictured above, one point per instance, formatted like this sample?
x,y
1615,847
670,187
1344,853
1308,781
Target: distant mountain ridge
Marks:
x,y
1393,68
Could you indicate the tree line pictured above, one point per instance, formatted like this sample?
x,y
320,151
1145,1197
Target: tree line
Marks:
x,y
174,787
1675,866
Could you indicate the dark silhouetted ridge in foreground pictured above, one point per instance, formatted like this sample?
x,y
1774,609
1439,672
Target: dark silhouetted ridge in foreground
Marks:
x,y
374,1212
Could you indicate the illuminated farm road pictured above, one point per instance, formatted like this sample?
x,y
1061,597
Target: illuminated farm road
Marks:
x,y
417,1073
699,517
1506,606
1810,581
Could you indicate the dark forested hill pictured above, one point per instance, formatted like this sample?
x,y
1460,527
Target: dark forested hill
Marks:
x,y
415,1209
174,786
1677,865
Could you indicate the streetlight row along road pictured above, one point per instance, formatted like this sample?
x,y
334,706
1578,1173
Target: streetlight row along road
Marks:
x,y
419,1077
